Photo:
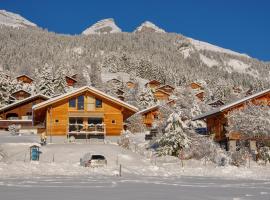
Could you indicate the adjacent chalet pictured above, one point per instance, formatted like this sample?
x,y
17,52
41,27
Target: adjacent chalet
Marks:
x,y
20,94
150,115
70,81
161,95
25,79
153,113
153,84
195,86
85,111
130,84
20,113
216,119
200,95
167,88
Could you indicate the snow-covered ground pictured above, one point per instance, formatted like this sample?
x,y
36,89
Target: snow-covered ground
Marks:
x,y
58,174
60,158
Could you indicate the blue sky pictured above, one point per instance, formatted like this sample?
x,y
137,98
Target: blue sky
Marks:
x,y
240,25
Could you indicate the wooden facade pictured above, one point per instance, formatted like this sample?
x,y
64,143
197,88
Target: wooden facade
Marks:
x,y
25,79
83,107
195,86
200,95
20,94
70,81
161,95
217,119
150,115
153,84
130,84
20,112
167,88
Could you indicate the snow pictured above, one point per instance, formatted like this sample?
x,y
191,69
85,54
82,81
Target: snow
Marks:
x,y
149,26
209,62
60,159
238,65
206,46
14,20
102,27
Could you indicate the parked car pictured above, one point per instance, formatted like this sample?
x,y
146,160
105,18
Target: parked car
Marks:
x,y
93,160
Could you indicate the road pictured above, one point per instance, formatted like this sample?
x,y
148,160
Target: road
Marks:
x,y
133,188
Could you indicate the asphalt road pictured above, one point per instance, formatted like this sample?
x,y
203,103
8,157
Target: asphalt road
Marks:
x,y
133,188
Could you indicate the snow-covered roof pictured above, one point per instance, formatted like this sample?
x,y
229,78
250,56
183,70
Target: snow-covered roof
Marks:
x,y
229,105
71,78
21,90
153,82
25,76
160,90
167,85
23,101
146,110
82,89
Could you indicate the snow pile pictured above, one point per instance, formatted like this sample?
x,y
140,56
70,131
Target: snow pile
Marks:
x,y
237,65
148,27
209,62
14,20
199,45
102,27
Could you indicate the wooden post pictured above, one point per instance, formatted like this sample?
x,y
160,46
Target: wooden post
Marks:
x,y
120,170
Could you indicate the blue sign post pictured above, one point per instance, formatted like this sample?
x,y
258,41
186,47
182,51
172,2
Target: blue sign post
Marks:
x,y
34,152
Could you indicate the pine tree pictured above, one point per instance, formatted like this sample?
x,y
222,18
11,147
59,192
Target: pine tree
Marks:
x,y
174,139
45,84
146,98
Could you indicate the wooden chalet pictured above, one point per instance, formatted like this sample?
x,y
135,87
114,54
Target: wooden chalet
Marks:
x,y
25,79
130,84
216,119
200,95
152,113
153,84
161,95
167,88
20,113
70,81
85,111
20,94
195,86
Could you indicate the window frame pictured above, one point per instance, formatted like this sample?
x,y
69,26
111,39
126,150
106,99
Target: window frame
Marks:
x,y
98,105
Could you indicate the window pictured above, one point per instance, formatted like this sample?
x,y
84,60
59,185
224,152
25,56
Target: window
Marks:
x,y
98,103
80,104
72,103
113,121
94,120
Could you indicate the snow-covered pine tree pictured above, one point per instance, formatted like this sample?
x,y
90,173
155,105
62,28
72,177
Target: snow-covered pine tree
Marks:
x,y
174,139
45,80
146,98
251,121
59,81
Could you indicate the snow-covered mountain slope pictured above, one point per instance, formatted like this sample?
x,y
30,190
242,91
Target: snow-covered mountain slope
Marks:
x,y
148,27
199,45
102,27
14,20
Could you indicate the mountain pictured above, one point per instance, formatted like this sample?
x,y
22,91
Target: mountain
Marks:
x,y
148,27
103,27
14,20
169,57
